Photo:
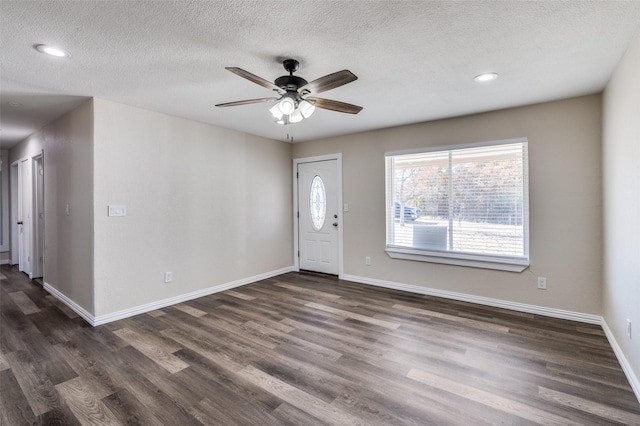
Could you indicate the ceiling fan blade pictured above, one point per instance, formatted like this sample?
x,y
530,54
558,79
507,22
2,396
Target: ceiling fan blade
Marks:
x,y
254,78
336,105
246,102
328,82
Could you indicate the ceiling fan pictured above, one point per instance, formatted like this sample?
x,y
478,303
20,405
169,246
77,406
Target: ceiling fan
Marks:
x,y
296,99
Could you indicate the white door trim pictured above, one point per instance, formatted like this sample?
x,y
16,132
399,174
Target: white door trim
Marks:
x,y
37,240
296,242
13,224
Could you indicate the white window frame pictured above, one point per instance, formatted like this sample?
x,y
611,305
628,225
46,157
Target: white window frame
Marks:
x,y
504,263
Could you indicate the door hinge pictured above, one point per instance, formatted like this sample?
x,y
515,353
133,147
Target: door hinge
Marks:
x,y
298,214
298,253
297,175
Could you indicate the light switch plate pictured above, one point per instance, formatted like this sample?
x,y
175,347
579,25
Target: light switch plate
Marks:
x,y
117,210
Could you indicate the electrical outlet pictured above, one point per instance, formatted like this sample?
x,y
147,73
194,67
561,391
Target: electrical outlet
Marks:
x,y
629,328
168,277
542,283
367,261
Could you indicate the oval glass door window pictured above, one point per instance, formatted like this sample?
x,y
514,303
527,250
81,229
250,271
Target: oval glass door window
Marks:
x,y
317,203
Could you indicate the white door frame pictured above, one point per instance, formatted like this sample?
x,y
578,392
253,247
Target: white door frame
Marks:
x,y
25,215
296,220
14,213
37,247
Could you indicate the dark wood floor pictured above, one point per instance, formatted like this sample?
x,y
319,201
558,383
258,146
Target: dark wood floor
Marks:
x,y
303,349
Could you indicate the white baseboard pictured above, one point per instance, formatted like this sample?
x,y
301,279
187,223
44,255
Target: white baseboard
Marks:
x,y
5,262
626,367
70,303
136,310
498,303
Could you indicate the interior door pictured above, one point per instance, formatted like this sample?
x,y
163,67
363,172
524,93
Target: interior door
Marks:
x,y
318,216
24,216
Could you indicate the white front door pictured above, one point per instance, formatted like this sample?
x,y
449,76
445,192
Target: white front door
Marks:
x,y
318,216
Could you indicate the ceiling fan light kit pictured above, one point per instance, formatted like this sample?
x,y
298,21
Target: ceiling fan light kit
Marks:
x,y
306,108
294,103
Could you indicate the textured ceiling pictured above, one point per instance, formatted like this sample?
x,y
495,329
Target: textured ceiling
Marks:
x,y
415,59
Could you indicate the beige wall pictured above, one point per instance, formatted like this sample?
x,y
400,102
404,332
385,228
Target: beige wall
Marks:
x,y
68,252
208,204
621,170
28,147
565,203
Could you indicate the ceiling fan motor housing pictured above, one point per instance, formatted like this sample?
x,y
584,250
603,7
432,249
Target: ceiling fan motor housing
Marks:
x,y
290,83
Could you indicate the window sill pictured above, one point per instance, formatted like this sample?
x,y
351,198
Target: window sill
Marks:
x,y
459,259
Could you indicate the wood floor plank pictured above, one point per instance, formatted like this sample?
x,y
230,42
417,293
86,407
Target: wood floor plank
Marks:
x,y
36,386
129,410
467,322
83,398
239,295
14,408
605,412
190,310
212,413
310,292
4,364
352,315
153,386
290,415
25,304
209,350
160,355
299,399
491,400
239,331
86,365
444,408
302,344
224,387
251,313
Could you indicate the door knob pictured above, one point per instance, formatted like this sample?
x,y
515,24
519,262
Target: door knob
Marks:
x,y
335,224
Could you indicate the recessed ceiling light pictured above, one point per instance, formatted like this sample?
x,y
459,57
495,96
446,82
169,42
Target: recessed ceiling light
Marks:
x,y
486,77
51,50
